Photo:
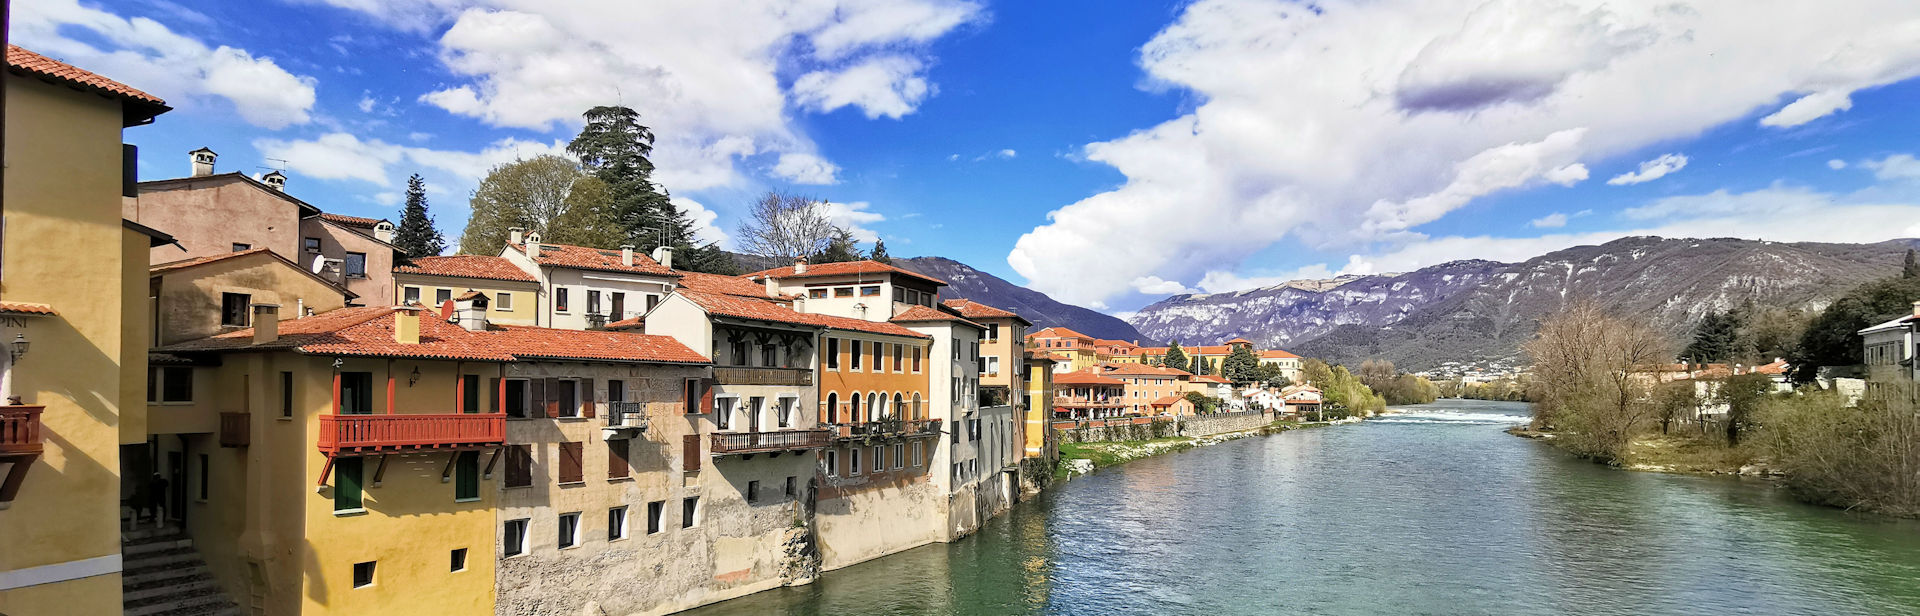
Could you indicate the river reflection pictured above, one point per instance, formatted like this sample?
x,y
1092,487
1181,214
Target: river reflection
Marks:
x,y
1432,512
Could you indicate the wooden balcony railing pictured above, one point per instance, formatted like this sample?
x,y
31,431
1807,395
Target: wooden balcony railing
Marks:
x,y
20,430
796,377
732,443
235,430
885,428
357,434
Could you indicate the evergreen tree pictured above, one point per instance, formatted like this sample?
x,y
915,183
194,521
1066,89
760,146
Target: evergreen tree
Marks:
x,y
614,146
1911,269
841,249
1176,357
1241,366
880,252
416,235
1716,339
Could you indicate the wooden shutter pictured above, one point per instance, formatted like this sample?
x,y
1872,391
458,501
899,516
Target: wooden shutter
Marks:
x,y
690,450
519,466
570,471
537,393
687,396
553,397
706,395
617,465
586,398
493,395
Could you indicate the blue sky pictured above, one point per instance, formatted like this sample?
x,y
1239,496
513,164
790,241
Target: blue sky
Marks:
x,y
1105,153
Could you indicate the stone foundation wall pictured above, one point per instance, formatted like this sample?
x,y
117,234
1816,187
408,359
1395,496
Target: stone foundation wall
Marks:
x,y
1208,425
1191,426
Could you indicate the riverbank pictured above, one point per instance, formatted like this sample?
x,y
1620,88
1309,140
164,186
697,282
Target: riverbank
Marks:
x,y
1078,459
1680,454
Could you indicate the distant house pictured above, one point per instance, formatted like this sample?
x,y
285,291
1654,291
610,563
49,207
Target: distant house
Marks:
x,y
1887,349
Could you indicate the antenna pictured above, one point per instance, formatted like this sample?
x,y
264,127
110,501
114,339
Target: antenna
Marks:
x,y
281,167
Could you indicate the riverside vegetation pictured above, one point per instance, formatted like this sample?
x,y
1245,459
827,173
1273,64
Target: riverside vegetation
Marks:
x,y
1596,396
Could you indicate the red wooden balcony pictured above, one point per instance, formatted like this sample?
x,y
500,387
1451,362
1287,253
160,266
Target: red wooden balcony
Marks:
x,y
20,445
368,434
736,443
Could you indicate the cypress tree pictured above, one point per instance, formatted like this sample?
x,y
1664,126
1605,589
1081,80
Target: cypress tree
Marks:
x,y
416,235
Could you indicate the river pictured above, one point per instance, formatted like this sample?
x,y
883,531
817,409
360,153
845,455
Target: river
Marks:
x,y
1434,511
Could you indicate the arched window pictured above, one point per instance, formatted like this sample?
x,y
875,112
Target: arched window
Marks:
x,y
853,408
833,407
899,407
916,411
875,402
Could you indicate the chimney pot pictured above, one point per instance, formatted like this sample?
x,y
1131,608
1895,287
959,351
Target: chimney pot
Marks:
x,y
515,235
773,286
266,323
626,255
533,244
202,161
664,255
277,180
470,310
1916,309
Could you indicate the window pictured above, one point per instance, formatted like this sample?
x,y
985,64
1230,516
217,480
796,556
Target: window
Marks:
x,y
817,293
916,360
833,407
239,247
792,487
843,292
356,265
855,354
569,530
783,409
833,353
753,492
616,523
899,457
346,485
853,460
898,351
879,357
466,476
233,309
879,458
619,309
833,463
203,477
993,366
513,540
652,300
655,511
568,396
570,471
919,454
617,465
442,296
560,299
457,561
410,295
516,399
312,244
689,511
739,352
593,301
519,466
503,301
356,393
993,331
870,291
363,574
769,354
723,413
286,394
469,393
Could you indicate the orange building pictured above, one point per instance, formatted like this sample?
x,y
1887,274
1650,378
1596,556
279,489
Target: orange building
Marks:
x,y
1146,388
1088,395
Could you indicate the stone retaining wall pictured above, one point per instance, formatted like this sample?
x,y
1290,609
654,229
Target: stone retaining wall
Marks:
x,y
1141,428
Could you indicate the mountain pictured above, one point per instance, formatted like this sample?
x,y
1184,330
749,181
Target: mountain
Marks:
x,y
965,281
1481,311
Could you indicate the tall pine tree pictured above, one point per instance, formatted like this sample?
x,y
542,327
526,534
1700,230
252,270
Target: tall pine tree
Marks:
x,y
416,235
614,146
1176,357
880,252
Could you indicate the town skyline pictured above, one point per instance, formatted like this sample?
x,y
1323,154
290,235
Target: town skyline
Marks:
x,y
987,134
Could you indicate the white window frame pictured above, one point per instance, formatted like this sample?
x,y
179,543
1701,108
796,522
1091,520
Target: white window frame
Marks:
x,y
526,526
853,461
724,421
503,301
785,406
626,523
562,523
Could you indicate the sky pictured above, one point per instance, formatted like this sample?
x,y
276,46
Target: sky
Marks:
x,y
1105,153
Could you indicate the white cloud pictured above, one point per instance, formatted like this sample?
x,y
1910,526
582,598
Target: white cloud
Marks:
x,y
1895,167
855,217
1416,108
1155,285
342,156
1651,170
803,168
1008,153
703,228
389,198
147,55
1836,164
1550,221
367,103
889,86
1809,108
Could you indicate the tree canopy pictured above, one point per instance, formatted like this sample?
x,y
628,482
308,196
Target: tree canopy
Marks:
x,y
416,234
1241,366
1830,338
1176,357
529,194
614,146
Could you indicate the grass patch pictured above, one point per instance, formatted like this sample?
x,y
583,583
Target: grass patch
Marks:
x,y
1686,453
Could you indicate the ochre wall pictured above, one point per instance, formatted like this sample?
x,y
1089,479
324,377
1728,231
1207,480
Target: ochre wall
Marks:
x,y
526,301
190,299
845,381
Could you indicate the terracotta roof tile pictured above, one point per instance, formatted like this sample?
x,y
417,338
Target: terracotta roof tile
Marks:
x,y
848,268
466,266
547,343
1058,332
1277,354
976,310
1083,377
25,308
765,310
1142,370
582,257
22,59
1209,378
726,285
923,314
368,332
1169,400
351,221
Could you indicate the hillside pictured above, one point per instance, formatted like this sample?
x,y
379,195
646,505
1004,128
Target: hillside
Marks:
x,y
1483,310
970,283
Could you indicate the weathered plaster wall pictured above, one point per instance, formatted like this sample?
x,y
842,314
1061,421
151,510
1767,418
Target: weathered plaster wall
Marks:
x,y
209,215
190,299
869,515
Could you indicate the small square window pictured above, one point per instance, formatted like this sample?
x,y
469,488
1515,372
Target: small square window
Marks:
x,y
514,541
458,560
233,309
616,523
503,301
239,247
363,574
441,296
312,244
569,530
356,265
410,295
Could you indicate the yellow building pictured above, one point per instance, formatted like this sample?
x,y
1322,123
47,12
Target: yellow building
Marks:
x,y
70,290
1040,438
433,281
1079,349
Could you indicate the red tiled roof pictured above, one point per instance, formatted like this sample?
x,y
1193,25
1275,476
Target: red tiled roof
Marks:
x,y
1277,354
639,322
1058,332
548,343
1777,367
725,285
582,257
1237,341
351,221
24,308
848,268
1169,400
466,266
22,60
922,314
976,310
719,304
1082,377
1208,378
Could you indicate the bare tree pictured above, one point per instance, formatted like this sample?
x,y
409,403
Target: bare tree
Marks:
x,y
781,226
1594,379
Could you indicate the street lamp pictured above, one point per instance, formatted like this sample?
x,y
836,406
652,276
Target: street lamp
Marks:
x,y
19,347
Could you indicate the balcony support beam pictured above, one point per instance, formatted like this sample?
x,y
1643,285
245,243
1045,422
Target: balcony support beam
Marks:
x,y
490,462
325,469
380,471
446,474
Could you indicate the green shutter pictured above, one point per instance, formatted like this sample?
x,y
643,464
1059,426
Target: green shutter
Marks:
x,y
466,479
346,484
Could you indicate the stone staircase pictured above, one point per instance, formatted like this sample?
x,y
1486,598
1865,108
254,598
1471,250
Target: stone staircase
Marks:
x,y
162,575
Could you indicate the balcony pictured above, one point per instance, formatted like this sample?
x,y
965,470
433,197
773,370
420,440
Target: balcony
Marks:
x,y
235,429
372,434
625,420
20,445
886,428
792,377
748,443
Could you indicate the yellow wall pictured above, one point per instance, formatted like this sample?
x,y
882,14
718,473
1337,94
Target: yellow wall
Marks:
x,y
63,248
526,300
845,381
135,334
1040,410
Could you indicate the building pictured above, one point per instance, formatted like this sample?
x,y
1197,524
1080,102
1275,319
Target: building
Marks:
x,y
1214,355
1299,400
1041,442
1288,363
363,248
586,288
205,296
1887,349
513,293
1147,389
1088,395
1217,387
1004,369
1080,350
71,291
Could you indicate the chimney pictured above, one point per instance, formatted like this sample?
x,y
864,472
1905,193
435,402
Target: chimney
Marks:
x,y
470,310
664,255
406,325
383,231
277,180
533,245
266,323
773,286
514,235
626,255
800,266
202,160
1916,309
